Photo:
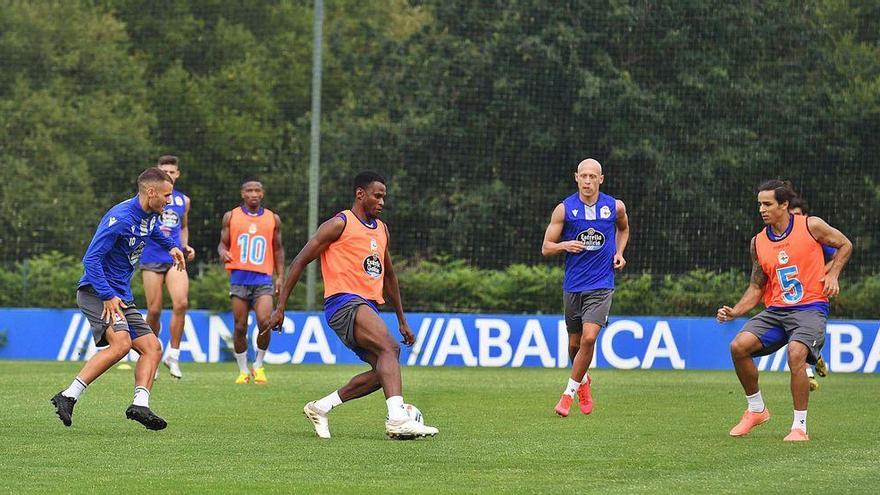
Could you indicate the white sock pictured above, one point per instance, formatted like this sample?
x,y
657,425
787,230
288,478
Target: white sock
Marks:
x,y
75,389
396,411
572,387
173,354
800,420
242,361
756,402
810,372
327,403
258,361
141,396
586,377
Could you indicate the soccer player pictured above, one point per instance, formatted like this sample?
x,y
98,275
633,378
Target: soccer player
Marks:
x,y
156,266
776,339
104,296
357,271
250,246
788,272
592,229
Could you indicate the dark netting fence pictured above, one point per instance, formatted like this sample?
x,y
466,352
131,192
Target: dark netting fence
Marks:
x,y
476,111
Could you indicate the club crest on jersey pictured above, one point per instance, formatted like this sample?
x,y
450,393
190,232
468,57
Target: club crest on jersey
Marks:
x,y
170,218
373,265
373,245
593,239
252,229
782,257
605,212
178,201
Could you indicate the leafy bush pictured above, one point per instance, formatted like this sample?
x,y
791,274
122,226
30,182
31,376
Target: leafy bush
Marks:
x,y
447,285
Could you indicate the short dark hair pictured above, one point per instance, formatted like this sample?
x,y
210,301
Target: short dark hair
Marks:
x,y
168,160
250,179
782,190
365,178
801,203
153,174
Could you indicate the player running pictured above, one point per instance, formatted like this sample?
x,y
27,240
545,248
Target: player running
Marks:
x,y
592,229
788,272
250,246
357,271
104,296
776,338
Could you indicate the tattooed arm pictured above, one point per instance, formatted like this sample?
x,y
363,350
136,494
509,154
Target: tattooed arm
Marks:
x,y
752,296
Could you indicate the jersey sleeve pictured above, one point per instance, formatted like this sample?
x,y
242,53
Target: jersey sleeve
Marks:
x,y
103,241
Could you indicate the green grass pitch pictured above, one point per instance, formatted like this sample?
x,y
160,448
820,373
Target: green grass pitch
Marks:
x,y
651,432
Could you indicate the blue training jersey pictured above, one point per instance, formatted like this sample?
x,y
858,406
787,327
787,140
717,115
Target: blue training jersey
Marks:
x,y
596,226
170,224
116,248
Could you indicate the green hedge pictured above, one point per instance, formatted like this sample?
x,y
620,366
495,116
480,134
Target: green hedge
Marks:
x,y
443,285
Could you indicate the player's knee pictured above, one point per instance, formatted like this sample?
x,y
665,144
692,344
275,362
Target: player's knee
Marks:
x,y
181,305
152,350
119,350
797,357
738,349
153,311
239,331
263,322
588,340
391,347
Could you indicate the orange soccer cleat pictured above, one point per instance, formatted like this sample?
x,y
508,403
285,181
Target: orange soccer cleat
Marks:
x,y
796,435
564,405
585,398
748,421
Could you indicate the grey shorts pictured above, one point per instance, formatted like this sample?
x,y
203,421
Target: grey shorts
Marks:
x,y
589,306
251,292
777,328
92,306
342,322
157,267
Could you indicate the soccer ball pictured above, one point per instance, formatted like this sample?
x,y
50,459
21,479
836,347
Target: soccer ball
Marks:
x,y
414,413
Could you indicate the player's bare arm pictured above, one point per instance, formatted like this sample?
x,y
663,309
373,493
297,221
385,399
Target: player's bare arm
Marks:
x,y
551,245
327,233
278,250
392,291
830,236
752,296
223,246
622,236
184,232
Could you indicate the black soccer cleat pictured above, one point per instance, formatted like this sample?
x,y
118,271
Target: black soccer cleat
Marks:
x,y
63,407
146,417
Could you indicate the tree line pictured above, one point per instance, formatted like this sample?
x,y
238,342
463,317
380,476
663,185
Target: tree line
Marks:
x,y
477,112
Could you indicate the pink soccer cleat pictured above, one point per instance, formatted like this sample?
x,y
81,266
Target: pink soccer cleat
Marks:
x,y
585,398
564,405
748,421
796,435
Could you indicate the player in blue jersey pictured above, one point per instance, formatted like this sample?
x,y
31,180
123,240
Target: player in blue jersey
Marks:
x,y
104,296
156,266
592,229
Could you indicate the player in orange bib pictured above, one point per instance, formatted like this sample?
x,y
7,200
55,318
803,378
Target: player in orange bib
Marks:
x,y
358,275
789,274
250,246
